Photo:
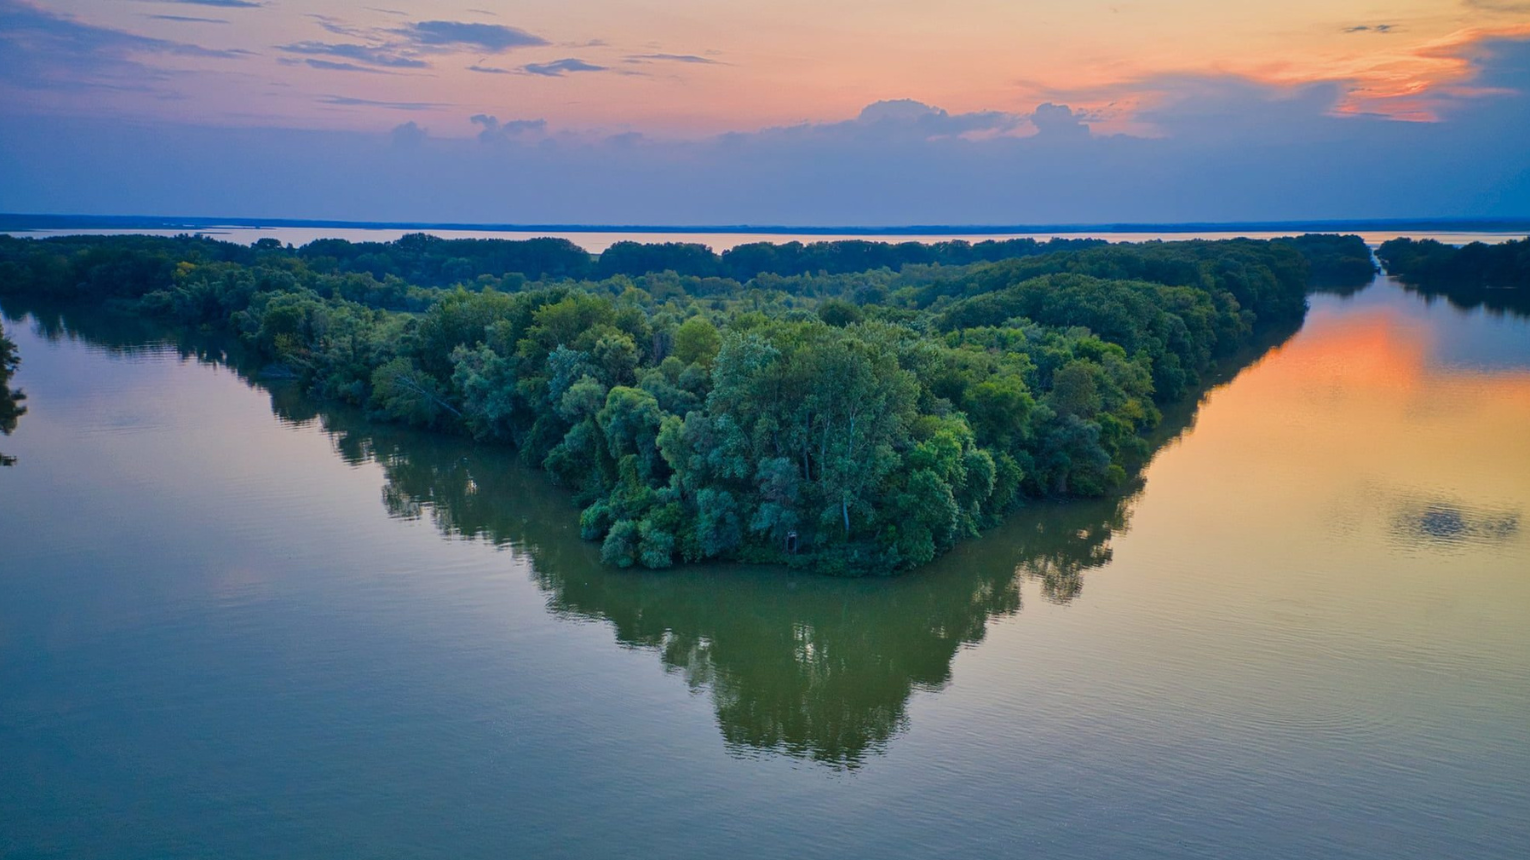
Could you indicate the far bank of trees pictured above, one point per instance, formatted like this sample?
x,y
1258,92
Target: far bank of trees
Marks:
x,y
853,421
1427,262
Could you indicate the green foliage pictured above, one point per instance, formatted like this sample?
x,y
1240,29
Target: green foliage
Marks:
x,y
486,383
852,407
839,313
403,392
697,342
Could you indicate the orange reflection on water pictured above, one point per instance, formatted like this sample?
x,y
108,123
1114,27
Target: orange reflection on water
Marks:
x,y
1359,395
1354,463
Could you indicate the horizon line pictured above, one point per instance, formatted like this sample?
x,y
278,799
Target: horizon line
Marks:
x,y
39,221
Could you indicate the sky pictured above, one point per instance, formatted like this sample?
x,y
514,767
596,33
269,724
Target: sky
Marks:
x,y
789,112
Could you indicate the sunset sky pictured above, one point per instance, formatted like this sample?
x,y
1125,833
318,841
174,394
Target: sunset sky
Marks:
x,y
806,107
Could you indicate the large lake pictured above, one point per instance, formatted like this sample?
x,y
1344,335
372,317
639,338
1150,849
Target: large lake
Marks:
x,y
234,624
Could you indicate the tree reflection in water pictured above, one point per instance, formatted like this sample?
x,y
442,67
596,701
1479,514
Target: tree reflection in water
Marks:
x,y
11,409
807,666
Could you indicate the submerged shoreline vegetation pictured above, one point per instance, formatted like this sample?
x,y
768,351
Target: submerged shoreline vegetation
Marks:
x,y
1495,276
11,409
851,422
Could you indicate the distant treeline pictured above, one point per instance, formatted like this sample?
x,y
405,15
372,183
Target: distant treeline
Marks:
x,y
835,258
430,261
853,422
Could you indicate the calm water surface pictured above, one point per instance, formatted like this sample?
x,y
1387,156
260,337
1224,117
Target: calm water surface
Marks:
x,y
235,625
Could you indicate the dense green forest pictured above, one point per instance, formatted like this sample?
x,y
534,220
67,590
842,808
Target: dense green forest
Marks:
x,y
10,399
854,421
1470,275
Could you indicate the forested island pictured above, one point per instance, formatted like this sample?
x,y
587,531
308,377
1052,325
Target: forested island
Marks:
x,y
1497,276
852,407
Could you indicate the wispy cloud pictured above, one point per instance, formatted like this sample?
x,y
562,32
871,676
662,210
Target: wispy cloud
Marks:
x,y
370,55
348,101
186,19
448,35
559,68
41,49
405,47
222,4
673,58
1409,82
339,27
1508,7
1370,28
330,66
28,27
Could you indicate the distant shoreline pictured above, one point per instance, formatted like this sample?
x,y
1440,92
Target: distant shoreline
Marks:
x,y
26,222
